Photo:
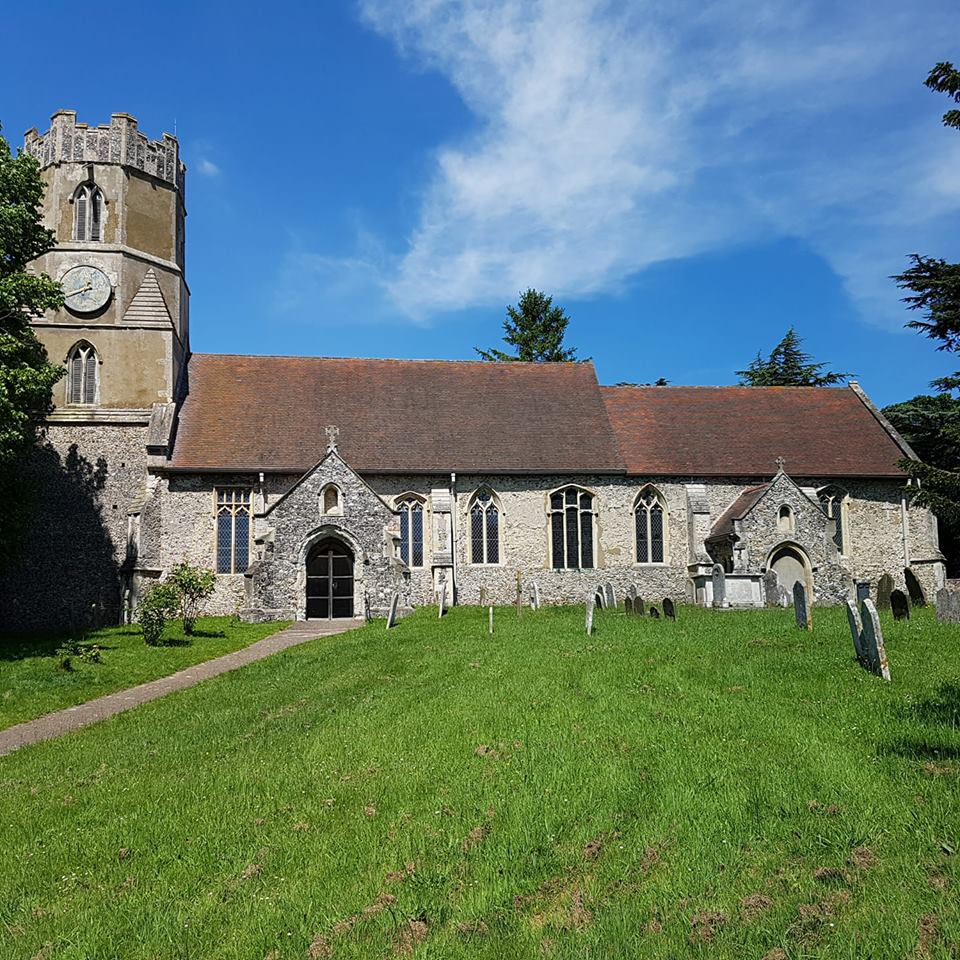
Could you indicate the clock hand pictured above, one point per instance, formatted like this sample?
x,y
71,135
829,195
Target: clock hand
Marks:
x,y
73,293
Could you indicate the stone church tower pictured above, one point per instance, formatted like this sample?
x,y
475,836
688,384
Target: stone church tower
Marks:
x,y
114,200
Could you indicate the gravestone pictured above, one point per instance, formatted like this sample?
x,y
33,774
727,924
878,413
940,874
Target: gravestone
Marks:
x,y
632,597
801,608
628,605
917,596
483,596
856,629
590,604
491,621
874,652
611,596
771,589
899,605
669,610
519,594
638,606
948,602
719,586
536,595
443,598
654,613
392,615
599,598
884,589
863,590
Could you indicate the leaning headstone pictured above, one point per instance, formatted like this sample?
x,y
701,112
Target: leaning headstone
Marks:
x,y
801,608
638,606
536,595
719,586
669,610
856,629
771,588
899,605
590,604
483,596
884,589
611,596
491,621
863,590
392,615
628,605
600,598
632,598
443,599
948,602
655,613
874,652
917,596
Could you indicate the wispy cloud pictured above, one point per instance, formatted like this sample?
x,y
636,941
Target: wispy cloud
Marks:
x,y
207,167
608,139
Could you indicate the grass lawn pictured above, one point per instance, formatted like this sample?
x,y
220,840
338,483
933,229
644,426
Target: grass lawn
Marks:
x,y
33,682
726,787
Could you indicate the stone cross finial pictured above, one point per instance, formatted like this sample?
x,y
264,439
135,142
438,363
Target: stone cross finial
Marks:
x,y
332,434
780,462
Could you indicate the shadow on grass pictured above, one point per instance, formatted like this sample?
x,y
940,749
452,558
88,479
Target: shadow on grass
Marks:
x,y
208,633
941,708
48,645
913,749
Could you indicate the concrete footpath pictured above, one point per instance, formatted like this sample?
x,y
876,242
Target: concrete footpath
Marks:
x,y
84,714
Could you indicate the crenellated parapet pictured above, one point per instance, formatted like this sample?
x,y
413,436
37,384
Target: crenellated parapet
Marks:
x,y
118,141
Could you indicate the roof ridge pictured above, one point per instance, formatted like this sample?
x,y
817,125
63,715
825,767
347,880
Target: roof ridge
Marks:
x,y
476,363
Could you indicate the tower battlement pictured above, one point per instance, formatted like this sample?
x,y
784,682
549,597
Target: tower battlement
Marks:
x,y
118,141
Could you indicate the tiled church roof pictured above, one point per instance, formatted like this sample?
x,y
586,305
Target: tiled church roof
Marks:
x,y
248,414
741,431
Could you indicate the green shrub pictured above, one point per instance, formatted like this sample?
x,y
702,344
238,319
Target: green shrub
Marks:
x,y
156,606
193,586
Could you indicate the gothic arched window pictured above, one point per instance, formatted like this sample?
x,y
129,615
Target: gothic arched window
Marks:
x,y
484,528
82,374
411,530
571,528
833,501
649,513
88,212
233,529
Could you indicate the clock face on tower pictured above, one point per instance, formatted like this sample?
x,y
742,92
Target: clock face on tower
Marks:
x,y
85,289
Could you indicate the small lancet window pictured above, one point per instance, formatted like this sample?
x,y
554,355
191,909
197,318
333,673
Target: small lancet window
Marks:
x,y
785,519
88,212
331,500
233,529
571,528
648,515
484,529
82,374
833,501
411,531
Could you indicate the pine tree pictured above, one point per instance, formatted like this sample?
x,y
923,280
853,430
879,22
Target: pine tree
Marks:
x,y
789,366
535,329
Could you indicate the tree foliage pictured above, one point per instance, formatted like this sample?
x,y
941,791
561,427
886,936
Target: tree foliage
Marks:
x,y
535,329
944,78
789,366
193,585
26,375
931,425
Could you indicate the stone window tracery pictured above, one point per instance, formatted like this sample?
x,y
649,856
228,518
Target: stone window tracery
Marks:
x,y
88,213
411,530
484,528
834,501
233,529
82,374
571,528
649,515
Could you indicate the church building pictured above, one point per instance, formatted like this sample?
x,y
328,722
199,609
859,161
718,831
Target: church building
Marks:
x,y
321,487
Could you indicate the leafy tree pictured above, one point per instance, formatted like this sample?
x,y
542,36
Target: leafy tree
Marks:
x,y
535,329
156,606
934,289
789,366
26,375
193,585
931,425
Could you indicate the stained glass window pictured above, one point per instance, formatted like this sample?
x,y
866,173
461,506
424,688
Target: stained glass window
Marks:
x,y
571,529
648,517
233,529
411,532
484,529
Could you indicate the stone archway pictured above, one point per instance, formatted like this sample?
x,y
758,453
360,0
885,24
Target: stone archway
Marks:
x,y
790,563
329,580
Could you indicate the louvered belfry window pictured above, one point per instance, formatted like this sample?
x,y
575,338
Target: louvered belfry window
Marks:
x,y
233,529
88,212
832,500
571,529
648,515
411,532
82,374
484,529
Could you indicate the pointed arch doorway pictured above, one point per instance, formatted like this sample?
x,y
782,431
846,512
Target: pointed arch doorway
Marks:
x,y
329,580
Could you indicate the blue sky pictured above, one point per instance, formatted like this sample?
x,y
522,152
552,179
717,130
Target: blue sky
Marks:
x,y
689,179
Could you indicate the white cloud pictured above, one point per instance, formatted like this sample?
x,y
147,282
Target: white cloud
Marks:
x,y
207,167
610,137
